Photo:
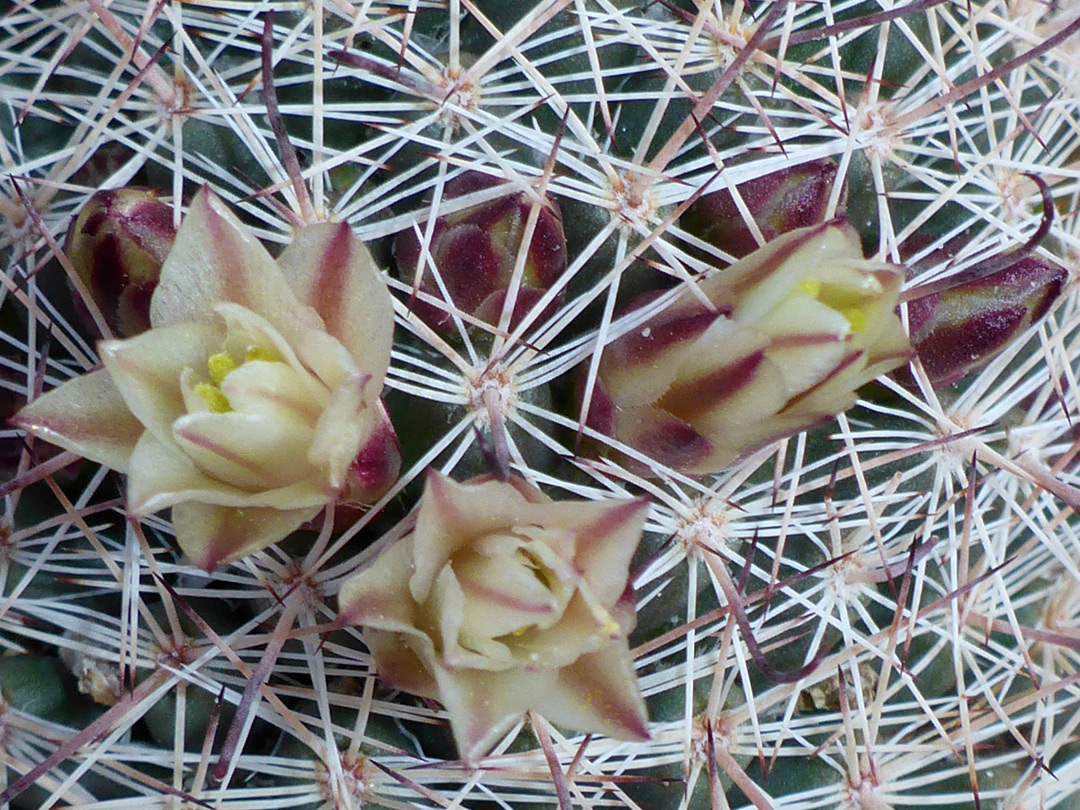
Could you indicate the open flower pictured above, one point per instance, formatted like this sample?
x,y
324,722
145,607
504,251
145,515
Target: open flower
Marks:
x,y
502,600
774,344
253,401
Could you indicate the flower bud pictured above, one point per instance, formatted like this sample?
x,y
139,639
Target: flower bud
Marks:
x,y
475,251
781,201
772,345
117,245
960,329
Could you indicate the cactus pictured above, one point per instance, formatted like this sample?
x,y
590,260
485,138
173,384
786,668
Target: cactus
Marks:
x,y
879,610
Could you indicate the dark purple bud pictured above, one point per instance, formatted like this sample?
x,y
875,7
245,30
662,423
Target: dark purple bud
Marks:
x,y
960,329
779,202
117,245
475,251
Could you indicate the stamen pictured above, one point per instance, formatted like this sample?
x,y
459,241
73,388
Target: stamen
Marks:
x,y
220,365
218,402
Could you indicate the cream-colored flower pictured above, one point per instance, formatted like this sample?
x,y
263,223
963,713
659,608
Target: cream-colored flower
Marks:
x,y
770,346
502,600
253,401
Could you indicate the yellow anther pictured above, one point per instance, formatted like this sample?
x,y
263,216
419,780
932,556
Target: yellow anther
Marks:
x,y
812,288
218,402
856,317
219,365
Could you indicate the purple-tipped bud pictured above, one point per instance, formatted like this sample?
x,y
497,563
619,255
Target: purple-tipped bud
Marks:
x,y
779,202
958,330
475,251
770,346
117,245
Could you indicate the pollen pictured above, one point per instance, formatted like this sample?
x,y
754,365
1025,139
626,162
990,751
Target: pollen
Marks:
x,y
219,365
218,402
811,288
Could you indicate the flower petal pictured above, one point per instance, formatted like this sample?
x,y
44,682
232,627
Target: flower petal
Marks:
x,y
332,271
378,596
443,613
160,476
398,664
802,365
642,365
86,415
250,451
590,540
607,539
214,259
328,358
765,277
377,463
484,705
378,599
599,693
748,414
272,389
342,425
666,439
146,369
584,627
451,516
502,594
720,350
248,332
213,536
891,349
711,392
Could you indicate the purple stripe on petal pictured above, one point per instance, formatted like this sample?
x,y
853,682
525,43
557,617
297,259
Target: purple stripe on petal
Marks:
x,y
648,341
221,242
201,440
331,283
705,393
806,339
848,360
499,597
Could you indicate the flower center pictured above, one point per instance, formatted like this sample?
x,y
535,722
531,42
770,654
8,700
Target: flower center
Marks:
x,y
219,367
837,298
507,593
